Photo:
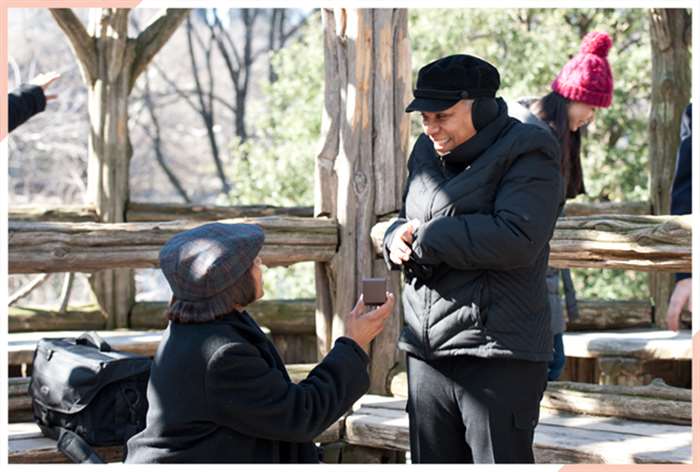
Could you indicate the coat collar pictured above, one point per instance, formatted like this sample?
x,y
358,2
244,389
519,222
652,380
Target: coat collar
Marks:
x,y
245,325
466,153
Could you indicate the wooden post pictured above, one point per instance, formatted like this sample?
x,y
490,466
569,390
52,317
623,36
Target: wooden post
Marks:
x,y
360,168
110,63
670,93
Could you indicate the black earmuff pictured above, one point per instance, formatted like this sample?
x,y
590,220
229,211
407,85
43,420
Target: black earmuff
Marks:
x,y
484,111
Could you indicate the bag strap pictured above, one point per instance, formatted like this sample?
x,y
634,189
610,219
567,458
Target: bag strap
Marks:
x,y
76,448
569,295
93,339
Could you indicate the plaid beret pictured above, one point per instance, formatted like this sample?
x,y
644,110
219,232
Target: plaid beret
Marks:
x,y
203,263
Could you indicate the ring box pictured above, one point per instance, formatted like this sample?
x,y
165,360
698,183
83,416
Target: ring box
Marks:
x,y
374,290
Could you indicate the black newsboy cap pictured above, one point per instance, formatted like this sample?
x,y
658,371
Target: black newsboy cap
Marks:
x,y
444,82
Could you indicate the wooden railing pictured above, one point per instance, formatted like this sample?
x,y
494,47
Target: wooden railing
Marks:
x,y
638,242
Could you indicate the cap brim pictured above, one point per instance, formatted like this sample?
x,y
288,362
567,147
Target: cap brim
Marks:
x,y
429,104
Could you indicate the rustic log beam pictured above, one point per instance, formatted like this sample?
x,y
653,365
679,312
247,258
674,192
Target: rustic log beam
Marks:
x,y
75,318
145,211
66,213
635,242
142,211
88,247
607,208
282,317
285,317
611,314
655,402
138,212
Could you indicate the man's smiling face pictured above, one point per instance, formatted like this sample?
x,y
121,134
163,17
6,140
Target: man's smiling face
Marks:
x,y
449,128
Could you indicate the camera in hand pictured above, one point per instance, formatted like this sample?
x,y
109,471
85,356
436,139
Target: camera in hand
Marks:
x,y
374,291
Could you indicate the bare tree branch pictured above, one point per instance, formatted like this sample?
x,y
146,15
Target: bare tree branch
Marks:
x,y
157,142
156,34
81,42
27,289
206,113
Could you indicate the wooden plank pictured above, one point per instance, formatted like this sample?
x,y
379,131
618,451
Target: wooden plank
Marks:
x,y
87,247
20,401
610,425
643,344
297,316
21,345
616,448
635,242
280,316
145,211
611,314
77,317
607,208
560,436
657,389
67,213
27,444
648,403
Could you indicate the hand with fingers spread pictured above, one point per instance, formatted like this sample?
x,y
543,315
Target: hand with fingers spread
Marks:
x,y
44,80
682,297
400,247
364,327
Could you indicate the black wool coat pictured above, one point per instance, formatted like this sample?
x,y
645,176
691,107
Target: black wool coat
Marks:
x,y
219,392
23,103
475,283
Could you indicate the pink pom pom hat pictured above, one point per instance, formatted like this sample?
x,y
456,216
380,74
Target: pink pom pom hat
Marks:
x,y
587,76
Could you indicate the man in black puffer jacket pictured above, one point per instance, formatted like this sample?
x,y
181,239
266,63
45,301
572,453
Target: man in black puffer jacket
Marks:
x,y
480,203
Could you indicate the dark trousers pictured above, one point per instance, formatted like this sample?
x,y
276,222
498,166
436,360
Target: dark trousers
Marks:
x,y
466,409
556,365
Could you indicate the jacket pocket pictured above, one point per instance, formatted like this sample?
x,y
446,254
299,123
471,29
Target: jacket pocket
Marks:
x,y
526,419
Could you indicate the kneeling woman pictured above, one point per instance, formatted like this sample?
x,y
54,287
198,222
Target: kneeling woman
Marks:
x,y
218,390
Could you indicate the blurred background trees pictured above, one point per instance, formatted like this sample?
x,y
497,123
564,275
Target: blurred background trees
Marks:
x,y
230,113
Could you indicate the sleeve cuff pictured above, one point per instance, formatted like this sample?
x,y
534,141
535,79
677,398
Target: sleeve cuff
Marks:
x,y
356,347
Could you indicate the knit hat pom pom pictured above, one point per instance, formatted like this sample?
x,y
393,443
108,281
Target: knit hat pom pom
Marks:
x,y
596,43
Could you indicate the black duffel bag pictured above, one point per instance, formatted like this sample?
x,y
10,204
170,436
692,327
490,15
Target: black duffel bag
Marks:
x,y
85,394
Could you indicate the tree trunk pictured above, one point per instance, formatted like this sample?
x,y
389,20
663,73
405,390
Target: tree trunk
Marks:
x,y
109,152
110,63
360,168
670,93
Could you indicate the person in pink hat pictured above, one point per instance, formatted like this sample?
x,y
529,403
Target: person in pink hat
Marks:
x,y
583,85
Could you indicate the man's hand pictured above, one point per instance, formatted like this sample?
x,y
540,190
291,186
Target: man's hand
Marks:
x,y
364,327
682,296
400,247
44,80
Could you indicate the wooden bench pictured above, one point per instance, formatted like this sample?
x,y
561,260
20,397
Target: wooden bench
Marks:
x,y
629,357
27,445
381,422
20,403
20,349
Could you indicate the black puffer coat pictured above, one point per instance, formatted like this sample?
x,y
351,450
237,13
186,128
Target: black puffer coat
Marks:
x,y
219,392
475,284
